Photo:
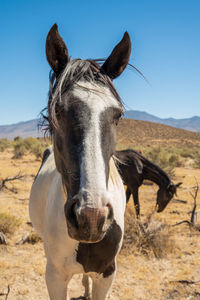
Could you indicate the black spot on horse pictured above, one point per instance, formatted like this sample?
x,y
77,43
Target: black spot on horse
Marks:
x,y
99,257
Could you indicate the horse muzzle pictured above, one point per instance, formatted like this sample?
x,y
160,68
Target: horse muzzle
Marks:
x,y
87,223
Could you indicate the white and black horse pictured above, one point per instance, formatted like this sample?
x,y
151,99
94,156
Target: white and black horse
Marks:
x,y
77,200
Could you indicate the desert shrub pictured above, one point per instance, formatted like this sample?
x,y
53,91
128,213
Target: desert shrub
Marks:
x,y
29,142
154,237
8,223
191,153
17,138
19,150
38,149
150,238
37,146
29,145
174,160
197,160
165,158
33,238
187,152
4,144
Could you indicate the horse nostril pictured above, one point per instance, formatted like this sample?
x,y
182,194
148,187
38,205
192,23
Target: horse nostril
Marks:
x,y
70,211
110,211
100,224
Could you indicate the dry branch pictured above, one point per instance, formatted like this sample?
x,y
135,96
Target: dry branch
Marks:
x,y
194,215
193,218
3,240
29,237
29,223
9,179
79,298
6,294
191,187
24,239
185,281
179,201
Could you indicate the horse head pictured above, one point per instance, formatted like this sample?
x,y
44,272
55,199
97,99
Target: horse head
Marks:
x,y
165,194
83,111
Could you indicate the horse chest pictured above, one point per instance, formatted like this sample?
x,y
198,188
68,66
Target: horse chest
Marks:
x,y
100,257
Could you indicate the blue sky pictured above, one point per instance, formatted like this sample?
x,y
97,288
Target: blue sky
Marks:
x,y
165,39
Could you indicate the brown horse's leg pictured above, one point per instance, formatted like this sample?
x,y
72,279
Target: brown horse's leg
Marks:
x,y
128,194
136,201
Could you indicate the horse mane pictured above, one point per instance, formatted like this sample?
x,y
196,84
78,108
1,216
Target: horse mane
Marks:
x,y
148,165
77,69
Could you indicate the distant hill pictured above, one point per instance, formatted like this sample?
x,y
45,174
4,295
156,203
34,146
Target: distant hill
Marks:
x,y
23,129
133,132
192,124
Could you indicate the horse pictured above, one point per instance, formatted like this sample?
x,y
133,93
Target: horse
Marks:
x,y
134,168
77,200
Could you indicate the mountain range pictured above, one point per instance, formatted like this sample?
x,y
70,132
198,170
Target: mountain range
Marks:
x,y
29,128
191,124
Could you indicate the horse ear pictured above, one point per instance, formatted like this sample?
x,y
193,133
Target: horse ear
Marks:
x,y
139,166
118,59
56,50
178,184
171,188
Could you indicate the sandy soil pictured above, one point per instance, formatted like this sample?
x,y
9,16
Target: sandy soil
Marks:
x,y
141,275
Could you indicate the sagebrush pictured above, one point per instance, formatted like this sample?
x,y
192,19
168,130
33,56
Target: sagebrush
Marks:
x,y
8,223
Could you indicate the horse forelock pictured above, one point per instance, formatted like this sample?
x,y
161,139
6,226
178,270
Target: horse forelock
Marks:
x,y
75,71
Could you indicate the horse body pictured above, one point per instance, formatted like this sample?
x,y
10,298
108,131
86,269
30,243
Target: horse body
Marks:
x,y
77,200
134,168
64,254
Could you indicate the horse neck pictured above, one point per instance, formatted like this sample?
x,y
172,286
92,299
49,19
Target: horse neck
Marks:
x,y
156,174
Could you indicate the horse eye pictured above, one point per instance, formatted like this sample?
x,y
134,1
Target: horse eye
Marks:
x,y
116,118
116,121
76,134
170,193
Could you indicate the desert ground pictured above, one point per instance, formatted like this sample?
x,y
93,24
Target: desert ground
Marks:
x,y
157,261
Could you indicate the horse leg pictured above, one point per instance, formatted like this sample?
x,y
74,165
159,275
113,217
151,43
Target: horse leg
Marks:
x,y
85,283
136,201
128,194
56,283
101,287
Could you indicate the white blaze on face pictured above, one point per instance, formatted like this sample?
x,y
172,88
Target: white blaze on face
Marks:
x,y
92,173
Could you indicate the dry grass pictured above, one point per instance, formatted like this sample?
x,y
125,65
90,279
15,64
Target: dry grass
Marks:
x,y
8,223
29,145
150,237
33,238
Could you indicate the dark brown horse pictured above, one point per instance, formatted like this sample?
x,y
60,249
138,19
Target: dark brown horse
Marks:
x,y
134,168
